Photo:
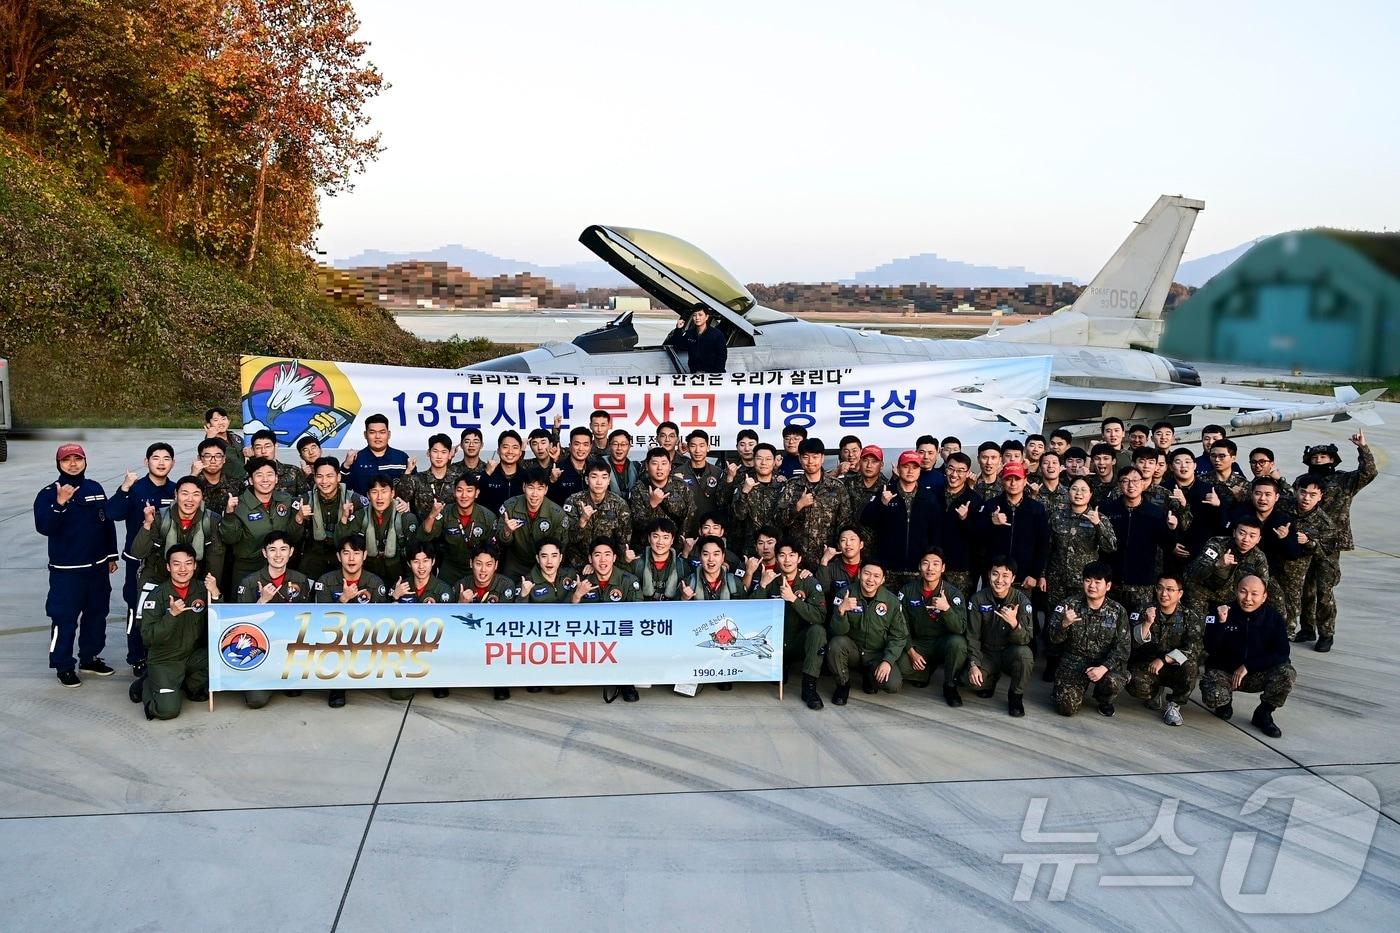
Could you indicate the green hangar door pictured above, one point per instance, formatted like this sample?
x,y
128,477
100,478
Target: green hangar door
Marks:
x,y
1286,325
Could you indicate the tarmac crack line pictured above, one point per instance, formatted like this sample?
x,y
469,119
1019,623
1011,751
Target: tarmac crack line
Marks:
x,y
1307,768
682,793
374,808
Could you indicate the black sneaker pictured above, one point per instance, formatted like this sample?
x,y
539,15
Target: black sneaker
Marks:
x,y
96,666
629,694
1107,709
69,679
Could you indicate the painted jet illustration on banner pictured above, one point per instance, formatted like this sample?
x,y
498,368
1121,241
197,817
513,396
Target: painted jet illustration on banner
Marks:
x,y
470,621
726,637
1101,346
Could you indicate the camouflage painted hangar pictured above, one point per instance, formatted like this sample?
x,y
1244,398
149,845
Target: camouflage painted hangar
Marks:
x,y
1328,301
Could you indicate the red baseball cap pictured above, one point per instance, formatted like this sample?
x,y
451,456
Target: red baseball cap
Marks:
x,y
1013,469
910,456
872,451
70,450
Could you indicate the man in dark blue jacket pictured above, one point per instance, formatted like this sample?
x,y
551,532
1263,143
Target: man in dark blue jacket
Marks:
x,y
128,504
906,519
1017,526
72,514
1247,651
376,459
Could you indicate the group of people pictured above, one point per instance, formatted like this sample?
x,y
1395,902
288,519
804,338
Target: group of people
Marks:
x,y
1130,564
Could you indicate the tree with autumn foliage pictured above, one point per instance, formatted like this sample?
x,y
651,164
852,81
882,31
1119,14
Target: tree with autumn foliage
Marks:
x,y
222,120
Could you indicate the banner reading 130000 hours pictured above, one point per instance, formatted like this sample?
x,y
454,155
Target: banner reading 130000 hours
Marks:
x,y
888,404
393,645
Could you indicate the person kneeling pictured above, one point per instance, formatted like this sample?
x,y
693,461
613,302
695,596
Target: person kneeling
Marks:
x,y
868,631
352,583
937,619
174,628
1247,651
999,623
1167,651
1093,632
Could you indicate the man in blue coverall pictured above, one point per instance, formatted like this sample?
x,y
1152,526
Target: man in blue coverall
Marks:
x,y
128,504
72,513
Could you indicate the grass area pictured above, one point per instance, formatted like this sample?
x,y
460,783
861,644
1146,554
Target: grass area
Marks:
x,y
105,323
1391,386
960,333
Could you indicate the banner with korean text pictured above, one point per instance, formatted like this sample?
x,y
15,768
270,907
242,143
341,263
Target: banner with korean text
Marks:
x,y
395,645
887,404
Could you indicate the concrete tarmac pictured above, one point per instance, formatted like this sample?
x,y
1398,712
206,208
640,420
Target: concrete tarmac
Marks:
x,y
723,811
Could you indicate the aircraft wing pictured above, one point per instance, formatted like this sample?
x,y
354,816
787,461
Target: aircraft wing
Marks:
x,y
1254,411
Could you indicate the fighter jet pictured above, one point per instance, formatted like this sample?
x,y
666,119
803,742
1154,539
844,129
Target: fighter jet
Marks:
x,y
1101,346
752,646
469,620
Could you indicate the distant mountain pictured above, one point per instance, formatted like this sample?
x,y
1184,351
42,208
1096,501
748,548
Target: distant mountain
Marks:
x,y
483,265
1197,272
933,269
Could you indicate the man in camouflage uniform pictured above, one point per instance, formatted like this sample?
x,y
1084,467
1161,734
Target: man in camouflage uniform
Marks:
x,y
864,485
1215,573
1050,489
1093,631
999,623
1079,535
936,616
1246,643
988,483
804,616
659,494
755,498
709,485
867,632
1319,608
812,505
215,482
1317,543
1167,651
595,511
1230,484
422,488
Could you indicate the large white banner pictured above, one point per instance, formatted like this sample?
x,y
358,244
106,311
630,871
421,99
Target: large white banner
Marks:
x,y
889,404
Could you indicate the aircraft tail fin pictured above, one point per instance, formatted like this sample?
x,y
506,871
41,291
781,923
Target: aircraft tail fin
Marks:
x,y
1122,307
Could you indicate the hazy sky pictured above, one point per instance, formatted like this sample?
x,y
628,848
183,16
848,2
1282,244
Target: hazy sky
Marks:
x,y
807,140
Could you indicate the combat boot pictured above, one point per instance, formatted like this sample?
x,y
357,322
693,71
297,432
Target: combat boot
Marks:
x,y
951,695
1014,706
809,692
1324,644
1225,712
1305,634
134,692
1263,718
843,692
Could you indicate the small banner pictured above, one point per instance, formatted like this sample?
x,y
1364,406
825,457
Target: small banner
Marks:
x,y
395,645
886,404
